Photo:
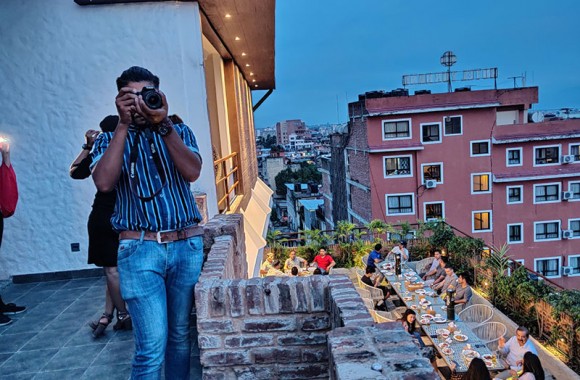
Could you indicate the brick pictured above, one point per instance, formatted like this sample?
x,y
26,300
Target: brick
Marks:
x,y
236,293
302,339
300,301
269,324
316,323
315,354
284,298
217,300
276,355
209,341
215,326
355,355
271,296
304,371
229,358
254,297
318,288
202,299
213,374
255,372
248,341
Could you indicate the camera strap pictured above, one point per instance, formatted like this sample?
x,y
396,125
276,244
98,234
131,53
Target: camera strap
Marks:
x,y
134,155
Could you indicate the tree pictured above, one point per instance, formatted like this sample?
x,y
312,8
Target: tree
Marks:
x,y
307,173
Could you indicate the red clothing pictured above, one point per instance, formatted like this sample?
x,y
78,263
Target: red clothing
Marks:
x,y
323,262
8,191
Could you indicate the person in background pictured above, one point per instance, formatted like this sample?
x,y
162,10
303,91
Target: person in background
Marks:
x,y
294,271
266,265
294,261
515,349
8,201
367,279
409,324
532,368
401,248
103,240
439,275
450,280
463,291
477,371
430,274
375,257
317,271
275,269
324,261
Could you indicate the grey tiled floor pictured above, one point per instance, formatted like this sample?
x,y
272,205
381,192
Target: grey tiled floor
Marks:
x,y
52,340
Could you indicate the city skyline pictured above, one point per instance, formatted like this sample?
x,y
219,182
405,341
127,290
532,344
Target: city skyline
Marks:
x,y
326,57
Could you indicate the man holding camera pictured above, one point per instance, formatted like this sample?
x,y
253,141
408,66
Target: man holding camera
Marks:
x,y
151,161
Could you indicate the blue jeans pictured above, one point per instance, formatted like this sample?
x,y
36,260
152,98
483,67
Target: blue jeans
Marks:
x,y
157,282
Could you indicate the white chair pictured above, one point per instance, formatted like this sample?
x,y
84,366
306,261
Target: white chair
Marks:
x,y
476,315
384,316
422,266
364,261
489,333
399,311
376,294
363,293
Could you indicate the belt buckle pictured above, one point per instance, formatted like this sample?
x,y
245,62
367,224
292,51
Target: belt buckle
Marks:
x,y
159,240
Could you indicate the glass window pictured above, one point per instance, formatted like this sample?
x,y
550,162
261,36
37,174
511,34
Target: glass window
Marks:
x,y
433,211
430,133
396,129
514,157
575,227
515,233
482,220
548,155
575,189
575,151
480,148
432,172
574,262
546,193
547,230
548,267
453,125
400,204
480,183
514,194
397,166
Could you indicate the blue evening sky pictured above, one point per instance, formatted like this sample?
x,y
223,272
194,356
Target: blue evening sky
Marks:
x,y
328,52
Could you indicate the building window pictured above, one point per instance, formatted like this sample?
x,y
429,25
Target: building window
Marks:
x,y
575,151
431,133
515,194
547,193
398,167
453,125
574,262
548,267
400,204
515,233
480,148
514,157
396,129
547,155
575,189
434,210
574,225
432,171
480,183
546,231
481,221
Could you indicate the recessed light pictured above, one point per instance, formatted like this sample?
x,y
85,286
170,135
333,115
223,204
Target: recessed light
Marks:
x,y
255,85
247,65
251,74
237,38
228,15
243,54
253,80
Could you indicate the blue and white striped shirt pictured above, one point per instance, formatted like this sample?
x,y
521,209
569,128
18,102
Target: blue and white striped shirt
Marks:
x,y
173,207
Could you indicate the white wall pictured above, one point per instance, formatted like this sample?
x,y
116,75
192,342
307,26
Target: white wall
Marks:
x,y
59,62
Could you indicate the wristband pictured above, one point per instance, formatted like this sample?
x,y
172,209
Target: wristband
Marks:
x,y
87,147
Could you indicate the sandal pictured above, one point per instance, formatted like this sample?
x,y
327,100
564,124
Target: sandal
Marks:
x,y
123,322
100,325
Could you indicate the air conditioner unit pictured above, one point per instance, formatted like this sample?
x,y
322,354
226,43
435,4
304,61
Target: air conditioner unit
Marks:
x,y
566,271
567,195
567,159
567,234
430,184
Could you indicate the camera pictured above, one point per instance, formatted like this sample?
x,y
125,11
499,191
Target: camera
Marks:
x,y
152,97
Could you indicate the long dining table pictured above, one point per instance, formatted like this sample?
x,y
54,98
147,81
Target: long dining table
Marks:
x,y
454,340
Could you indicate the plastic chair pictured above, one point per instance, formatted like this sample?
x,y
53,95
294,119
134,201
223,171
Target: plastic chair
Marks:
x,y
369,303
422,266
384,316
364,261
476,315
399,311
489,333
376,294
363,293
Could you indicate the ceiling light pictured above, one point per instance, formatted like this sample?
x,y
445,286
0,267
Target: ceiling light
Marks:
x,y
228,15
243,54
237,38
251,74
253,80
247,65
255,85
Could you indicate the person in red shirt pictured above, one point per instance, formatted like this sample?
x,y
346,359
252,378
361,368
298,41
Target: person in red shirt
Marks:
x,y
323,261
8,200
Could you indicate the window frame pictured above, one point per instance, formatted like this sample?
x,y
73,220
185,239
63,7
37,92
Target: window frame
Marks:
x,y
559,258
471,154
559,146
473,230
430,203
558,192
488,191
507,194
385,121
398,195
570,152
461,125
440,133
507,157
432,164
409,156
570,227
570,183
521,225
570,257
559,229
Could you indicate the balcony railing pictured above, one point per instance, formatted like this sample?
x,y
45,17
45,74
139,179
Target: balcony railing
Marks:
x,y
227,182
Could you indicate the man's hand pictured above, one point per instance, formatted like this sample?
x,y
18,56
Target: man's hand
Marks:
x,y
501,342
91,136
125,102
153,116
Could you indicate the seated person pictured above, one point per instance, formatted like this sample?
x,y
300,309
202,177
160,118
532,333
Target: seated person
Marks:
x,y
439,275
375,257
450,280
275,269
266,265
294,261
401,248
430,274
317,271
515,349
463,292
294,271
367,279
532,368
323,261
409,323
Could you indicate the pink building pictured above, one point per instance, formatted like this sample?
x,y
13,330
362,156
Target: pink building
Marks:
x,y
472,158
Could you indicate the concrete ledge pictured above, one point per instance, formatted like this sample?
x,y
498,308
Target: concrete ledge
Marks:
x,y
56,276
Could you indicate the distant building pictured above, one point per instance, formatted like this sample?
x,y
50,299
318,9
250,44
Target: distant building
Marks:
x,y
295,193
286,128
271,167
471,158
310,211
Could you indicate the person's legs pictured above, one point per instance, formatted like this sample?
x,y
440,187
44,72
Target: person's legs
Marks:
x,y
142,266
101,324
123,318
185,260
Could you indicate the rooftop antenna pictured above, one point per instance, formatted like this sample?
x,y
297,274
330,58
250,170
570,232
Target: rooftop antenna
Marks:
x,y
448,59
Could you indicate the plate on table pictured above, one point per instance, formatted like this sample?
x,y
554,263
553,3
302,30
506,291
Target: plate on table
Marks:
x,y
426,316
420,291
470,354
414,307
407,298
486,357
425,302
444,307
439,320
443,345
442,331
448,351
389,273
425,321
488,363
462,338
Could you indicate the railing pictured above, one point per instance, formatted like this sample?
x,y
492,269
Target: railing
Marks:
x,y
227,171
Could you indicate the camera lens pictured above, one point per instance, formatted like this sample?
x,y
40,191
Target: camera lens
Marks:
x,y
153,100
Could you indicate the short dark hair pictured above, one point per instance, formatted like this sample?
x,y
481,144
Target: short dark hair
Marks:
x,y
136,74
403,243
294,271
524,330
275,263
448,266
109,123
465,275
317,271
378,247
369,270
